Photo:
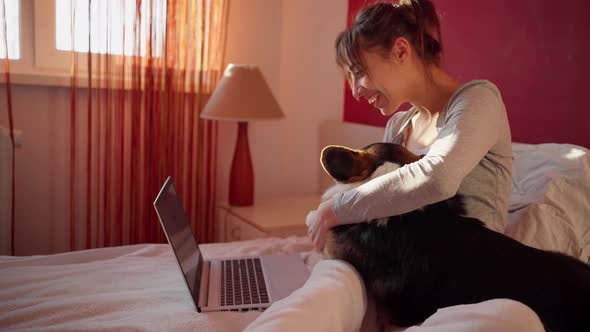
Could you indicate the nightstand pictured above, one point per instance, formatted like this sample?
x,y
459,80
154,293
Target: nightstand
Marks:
x,y
277,216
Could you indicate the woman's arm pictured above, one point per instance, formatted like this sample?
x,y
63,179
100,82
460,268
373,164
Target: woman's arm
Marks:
x,y
473,125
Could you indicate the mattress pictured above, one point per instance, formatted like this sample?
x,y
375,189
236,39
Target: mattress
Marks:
x,y
137,287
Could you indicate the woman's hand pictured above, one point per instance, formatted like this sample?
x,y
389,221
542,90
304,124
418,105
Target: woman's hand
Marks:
x,y
319,222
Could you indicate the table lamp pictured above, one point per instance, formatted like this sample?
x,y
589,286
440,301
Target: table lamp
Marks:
x,y
242,95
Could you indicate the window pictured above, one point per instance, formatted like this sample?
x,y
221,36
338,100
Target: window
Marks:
x,y
40,44
111,24
11,10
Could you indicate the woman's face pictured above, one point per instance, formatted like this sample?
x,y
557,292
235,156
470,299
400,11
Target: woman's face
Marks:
x,y
385,82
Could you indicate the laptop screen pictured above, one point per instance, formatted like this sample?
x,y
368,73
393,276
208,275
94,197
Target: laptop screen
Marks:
x,y
180,236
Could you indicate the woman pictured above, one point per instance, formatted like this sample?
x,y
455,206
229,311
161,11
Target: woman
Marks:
x,y
391,55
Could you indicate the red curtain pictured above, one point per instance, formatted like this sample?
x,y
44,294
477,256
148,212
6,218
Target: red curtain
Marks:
x,y
141,123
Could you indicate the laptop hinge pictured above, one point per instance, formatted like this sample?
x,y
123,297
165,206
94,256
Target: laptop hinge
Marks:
x,y
204,293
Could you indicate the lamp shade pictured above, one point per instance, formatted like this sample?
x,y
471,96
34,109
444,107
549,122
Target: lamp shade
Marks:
x,y
242,95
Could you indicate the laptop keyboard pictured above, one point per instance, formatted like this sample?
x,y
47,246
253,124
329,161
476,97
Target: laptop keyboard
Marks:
x,y
242,282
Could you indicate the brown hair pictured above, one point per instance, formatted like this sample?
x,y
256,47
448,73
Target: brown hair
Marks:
x,y
378,25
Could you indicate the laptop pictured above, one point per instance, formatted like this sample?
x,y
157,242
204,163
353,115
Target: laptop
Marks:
x,y
229,284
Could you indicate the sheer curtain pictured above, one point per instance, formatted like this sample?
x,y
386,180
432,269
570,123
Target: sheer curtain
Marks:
x,y
134,120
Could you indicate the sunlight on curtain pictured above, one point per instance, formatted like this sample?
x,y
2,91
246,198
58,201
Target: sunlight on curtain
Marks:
x,y
141,119
112,21
10,31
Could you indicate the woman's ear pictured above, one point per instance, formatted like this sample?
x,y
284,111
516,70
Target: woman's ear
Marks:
x,y
400,50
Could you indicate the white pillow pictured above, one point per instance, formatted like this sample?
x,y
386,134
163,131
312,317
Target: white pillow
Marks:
x,y
536,165
550,204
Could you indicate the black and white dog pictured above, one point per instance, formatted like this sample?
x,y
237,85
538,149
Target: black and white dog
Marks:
x,y
434,257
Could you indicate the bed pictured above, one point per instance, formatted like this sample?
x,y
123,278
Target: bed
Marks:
x,y
139,287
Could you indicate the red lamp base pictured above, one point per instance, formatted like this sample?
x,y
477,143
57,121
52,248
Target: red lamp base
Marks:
x,y
241,181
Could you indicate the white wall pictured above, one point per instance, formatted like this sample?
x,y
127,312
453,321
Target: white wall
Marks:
x,y
42,164
253,38
291,41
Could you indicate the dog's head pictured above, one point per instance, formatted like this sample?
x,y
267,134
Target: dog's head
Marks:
x,y
353,167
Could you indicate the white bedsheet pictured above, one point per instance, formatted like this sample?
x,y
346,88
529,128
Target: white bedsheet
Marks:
x,y
135,287
332,299
139,288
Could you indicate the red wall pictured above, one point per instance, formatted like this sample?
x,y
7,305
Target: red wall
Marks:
x,y
534,50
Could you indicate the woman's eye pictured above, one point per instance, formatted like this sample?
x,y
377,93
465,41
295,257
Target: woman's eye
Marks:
x,y
356,72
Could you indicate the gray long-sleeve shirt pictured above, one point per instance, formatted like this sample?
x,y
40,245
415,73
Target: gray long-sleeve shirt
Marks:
x,y
472,155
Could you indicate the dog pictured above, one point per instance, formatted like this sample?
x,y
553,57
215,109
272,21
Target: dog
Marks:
x,y
434,257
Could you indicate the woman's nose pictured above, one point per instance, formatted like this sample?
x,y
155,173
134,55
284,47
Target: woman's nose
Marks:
x,y
357,88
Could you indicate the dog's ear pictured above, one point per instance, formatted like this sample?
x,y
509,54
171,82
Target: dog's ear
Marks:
x,y
347,165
